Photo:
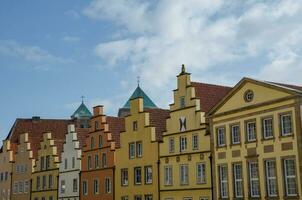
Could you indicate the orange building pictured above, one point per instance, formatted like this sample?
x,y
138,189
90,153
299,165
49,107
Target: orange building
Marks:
x,y
97,175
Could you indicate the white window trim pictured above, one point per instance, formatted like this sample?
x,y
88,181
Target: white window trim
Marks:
x,y
270,178
221,132
184,180
289,176
232,133
168,170
197,142
223,182
253,179
282,126
202,178
264,130
248,131
240,180
183,143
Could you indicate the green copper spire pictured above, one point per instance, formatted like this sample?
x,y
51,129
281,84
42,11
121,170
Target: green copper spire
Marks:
x,y
81,112
148,103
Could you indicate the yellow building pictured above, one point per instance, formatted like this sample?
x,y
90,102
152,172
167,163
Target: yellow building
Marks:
x,y
185,153
136,158
257,141
6,163
46,171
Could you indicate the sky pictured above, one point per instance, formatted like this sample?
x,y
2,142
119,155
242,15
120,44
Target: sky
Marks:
x,y
53,52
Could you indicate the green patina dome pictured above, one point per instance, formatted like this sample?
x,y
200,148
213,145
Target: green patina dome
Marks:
x,y
148,103
81,112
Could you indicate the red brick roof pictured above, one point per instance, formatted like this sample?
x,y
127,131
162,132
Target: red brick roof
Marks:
x,y
158,120
209,94
116,126
82,134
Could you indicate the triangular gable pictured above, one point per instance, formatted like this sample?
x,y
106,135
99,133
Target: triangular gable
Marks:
x,y
262,92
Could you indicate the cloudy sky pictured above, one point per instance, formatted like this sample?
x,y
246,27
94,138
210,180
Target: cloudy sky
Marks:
x,y
53,52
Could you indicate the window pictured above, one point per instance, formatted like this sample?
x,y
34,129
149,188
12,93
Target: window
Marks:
x,y
131,150
96,161
139,149
15,187
100,141
43,182
171,145
134,126
92,142
223,178
251,131
271,178
26,186
200,173
75,185
290,177
85,188
254,179
107,185
50,181
148,175
137,197
286,124
38,183
42,164
184,174
148,197
168,175
235,134
137,175
96,125
6,176
50,198
238,183
124,177
73,162
221,136
96,186
195,142
89,162
104,160
47,162
124,198
267,128
183,143
65,163
63,186
187,198
182,102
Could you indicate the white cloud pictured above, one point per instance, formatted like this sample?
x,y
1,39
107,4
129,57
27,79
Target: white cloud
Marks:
x,y
32,54
205,35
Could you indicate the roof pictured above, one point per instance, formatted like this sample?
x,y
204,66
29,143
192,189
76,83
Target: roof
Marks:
x,y
81,112
81,135
35,129
138,92
158,120
116,126
286,86
209,94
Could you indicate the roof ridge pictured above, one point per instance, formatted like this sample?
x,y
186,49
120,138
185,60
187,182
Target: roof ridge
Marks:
x,y
195,82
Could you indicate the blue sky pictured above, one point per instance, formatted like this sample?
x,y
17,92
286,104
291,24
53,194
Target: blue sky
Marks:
x,y
53,52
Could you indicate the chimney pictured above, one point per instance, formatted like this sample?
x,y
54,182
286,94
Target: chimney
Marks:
x,y
71,128
98,110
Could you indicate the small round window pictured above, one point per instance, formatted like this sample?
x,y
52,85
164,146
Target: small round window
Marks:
x,y
248,95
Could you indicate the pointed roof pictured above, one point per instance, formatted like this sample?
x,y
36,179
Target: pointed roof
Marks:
x,y
81,112
148,103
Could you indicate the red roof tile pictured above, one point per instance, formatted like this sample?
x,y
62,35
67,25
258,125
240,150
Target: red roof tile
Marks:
x,y
116,126
209,94
158,120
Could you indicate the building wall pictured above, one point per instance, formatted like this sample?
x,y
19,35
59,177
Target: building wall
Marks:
x,y
6,159
47,148
194,126
71,156
146,135
267,103
22,169
96,147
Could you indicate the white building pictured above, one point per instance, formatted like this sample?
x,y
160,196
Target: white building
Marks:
x,y
70,167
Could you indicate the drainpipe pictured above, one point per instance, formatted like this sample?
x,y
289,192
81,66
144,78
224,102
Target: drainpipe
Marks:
x,y
211,164
113,183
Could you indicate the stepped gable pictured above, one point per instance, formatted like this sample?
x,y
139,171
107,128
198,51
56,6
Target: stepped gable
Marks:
x,y
81,135
116,126
158,120
209,94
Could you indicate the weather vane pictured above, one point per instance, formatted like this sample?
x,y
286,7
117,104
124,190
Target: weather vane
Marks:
x,y
138,77
82,97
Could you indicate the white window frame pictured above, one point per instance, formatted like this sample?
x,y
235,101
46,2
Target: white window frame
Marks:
x,y
287,177
168,175
184,174
75,185
171,144
183,143
85,188
124,177
233,132
63,187
271,180
96,186
201,173
107,185
139,149
238,180
148,175
251,131
283,127
136,175
223,179
265,129
132,150
195,141
254,180
221,136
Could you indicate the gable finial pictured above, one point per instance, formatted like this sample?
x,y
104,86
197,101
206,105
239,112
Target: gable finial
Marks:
x,y
183,69
82,97
138,77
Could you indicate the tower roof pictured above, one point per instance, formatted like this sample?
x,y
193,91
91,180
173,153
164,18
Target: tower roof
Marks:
x,y
148,103
81,112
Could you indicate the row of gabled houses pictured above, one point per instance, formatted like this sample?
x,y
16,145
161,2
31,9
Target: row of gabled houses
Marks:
x,y
214,142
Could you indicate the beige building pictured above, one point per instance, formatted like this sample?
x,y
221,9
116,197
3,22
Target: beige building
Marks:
x,y
257,141
185,153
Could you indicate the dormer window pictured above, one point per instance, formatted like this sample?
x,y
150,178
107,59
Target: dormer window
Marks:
x,y
182,102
